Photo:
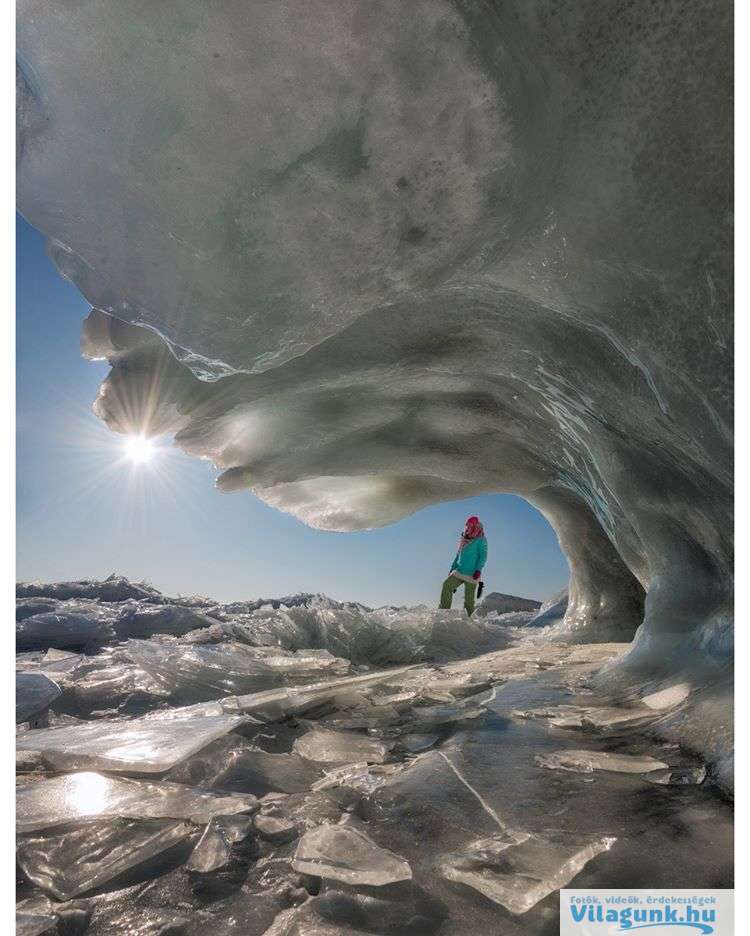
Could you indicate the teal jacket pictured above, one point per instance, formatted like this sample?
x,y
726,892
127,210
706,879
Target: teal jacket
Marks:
x,y
472,557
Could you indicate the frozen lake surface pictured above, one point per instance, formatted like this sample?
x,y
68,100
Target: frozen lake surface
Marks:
x,y
221,779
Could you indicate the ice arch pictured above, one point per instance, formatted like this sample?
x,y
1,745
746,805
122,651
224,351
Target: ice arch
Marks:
x,y
398,253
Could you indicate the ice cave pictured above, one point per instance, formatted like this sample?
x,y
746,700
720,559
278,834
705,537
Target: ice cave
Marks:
x,y
365,258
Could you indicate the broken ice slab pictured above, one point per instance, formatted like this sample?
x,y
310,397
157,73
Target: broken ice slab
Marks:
x,y
115,588
199,672
278,703
38,914
34,693
54,663
341,911
589,761
599,718
105,683
28,607
346,854
518,869
230,763
363,777
304,664
84,859
595,653
64,629
361,717
431,716
339,747
262,772
86,796
678,776
306,810
274,828
570,713
136,745
605,717
417,743
137,619
35,924
214,849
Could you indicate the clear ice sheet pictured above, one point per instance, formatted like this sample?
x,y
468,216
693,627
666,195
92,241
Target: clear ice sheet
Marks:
x,y
74,862
126,746
344,854
517,871
80,797
339,747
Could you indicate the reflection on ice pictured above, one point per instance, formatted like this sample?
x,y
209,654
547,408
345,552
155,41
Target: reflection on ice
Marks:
x,y
122,746
78,797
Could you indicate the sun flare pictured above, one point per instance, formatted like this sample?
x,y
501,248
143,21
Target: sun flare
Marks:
x,y
139,449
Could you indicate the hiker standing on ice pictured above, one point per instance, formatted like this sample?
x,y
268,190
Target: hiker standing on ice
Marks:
x,y
467,566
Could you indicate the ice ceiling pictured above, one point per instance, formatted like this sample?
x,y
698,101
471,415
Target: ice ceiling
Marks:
x,y
394,253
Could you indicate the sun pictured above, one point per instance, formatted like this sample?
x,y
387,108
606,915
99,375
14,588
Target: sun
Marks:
x,y
139,449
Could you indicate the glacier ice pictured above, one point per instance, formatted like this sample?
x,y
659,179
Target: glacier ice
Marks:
x,y
347,854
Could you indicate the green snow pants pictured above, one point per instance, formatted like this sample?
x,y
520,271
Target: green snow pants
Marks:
x,y
449,587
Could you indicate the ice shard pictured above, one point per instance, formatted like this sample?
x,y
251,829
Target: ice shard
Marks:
x,y
214,850
76,861
339,747
518,870
344,854
589,761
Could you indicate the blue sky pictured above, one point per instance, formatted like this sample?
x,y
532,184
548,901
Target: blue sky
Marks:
x,y
84,511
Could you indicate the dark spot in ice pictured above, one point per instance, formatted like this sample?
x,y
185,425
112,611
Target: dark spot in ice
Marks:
x,y
402,182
